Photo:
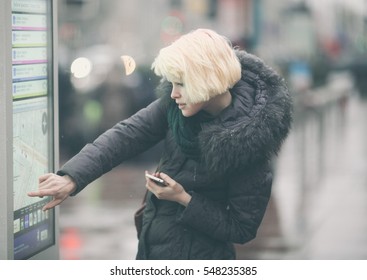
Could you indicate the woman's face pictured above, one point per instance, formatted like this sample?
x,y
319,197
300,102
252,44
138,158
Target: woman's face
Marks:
x,y
178,94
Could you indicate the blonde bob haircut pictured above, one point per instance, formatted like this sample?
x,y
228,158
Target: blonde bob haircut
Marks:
x,y
203,61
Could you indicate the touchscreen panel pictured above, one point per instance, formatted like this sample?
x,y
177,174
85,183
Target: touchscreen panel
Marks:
x,y
32,91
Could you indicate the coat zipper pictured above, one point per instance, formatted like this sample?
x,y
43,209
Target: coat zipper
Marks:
x,y
195,174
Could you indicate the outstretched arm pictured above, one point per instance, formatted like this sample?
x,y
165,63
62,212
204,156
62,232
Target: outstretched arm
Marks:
x,y
123,141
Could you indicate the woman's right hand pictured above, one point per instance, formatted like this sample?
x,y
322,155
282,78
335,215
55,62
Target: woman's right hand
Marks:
x,y
59,187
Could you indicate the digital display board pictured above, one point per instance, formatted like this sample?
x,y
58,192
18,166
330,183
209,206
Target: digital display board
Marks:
x,y
32,92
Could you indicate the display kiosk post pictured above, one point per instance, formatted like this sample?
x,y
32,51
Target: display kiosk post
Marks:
x,y
29,127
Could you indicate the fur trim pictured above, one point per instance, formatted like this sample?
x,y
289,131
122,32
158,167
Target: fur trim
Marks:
x,y
257,130
258,134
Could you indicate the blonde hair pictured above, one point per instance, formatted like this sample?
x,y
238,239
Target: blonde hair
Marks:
x,y
203,61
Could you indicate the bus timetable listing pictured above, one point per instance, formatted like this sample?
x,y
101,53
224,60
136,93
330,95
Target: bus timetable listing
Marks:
x,y
26,6
29,72
21,39
29,22
29,89
29,55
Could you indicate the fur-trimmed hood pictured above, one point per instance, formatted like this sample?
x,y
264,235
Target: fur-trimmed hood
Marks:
x,y
255,125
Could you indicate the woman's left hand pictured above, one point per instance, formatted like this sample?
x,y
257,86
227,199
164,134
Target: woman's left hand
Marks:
x,y
173,191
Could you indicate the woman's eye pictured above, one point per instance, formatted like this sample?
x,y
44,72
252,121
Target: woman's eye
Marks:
x,y
180,84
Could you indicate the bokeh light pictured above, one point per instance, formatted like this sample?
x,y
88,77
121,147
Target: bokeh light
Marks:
x,y
81,67
129,64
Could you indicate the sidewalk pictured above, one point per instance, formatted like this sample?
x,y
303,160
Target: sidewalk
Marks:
x,y
336,210
323,220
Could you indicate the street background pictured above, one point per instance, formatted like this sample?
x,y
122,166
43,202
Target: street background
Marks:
x,y
319,199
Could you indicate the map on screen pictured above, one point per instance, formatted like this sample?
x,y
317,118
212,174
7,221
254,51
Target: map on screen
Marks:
x,y
30,142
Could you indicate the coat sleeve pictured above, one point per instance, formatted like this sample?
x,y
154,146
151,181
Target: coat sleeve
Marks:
x,y
125,140
238,219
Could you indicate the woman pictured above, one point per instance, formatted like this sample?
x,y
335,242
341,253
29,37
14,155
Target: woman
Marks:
x,y
223,115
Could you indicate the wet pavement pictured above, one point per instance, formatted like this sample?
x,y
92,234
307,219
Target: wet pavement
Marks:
x,y
317,210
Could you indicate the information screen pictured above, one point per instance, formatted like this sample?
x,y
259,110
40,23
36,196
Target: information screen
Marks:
x,y
33,142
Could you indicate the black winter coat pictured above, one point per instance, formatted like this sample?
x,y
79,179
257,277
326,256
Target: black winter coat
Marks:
x,y
230,185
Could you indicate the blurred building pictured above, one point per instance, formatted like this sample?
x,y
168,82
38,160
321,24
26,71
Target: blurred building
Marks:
x,y
95,34
303,39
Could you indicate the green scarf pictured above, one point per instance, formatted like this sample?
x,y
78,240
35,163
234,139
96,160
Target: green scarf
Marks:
x,y
186,129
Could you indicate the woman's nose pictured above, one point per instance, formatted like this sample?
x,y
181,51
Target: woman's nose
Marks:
x,y
175,93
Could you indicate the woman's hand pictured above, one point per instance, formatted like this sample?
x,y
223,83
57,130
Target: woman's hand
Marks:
x,y
60,187
173,191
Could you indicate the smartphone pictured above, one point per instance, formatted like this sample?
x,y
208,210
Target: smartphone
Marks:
x,y
159,181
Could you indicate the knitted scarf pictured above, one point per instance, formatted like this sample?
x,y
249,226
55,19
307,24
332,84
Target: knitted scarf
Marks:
x,y
186,129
